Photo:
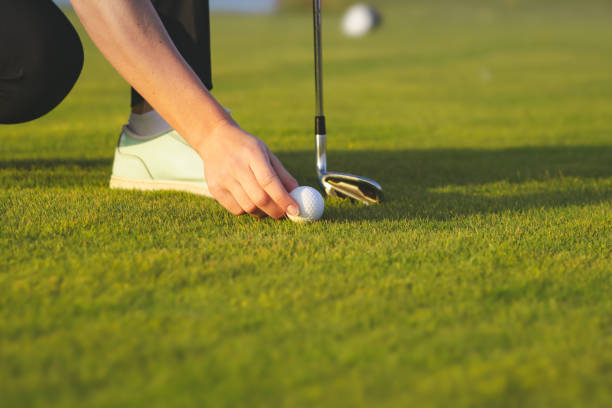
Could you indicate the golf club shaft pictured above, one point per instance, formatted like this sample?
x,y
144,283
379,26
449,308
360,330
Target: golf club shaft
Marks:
x,y
320,127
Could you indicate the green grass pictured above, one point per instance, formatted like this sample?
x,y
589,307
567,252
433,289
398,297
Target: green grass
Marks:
x,y
484,280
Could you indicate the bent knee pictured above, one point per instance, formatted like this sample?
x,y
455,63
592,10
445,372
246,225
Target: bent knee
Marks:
x,y
38,71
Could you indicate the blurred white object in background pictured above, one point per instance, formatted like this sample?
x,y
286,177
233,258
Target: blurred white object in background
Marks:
x,y
359,20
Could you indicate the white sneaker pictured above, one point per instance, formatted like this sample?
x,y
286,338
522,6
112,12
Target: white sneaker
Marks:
x,y
162,162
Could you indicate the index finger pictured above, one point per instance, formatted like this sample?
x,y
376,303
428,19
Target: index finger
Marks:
x,y
271,183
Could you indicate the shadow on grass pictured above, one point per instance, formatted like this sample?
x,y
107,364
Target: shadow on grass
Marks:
x,y
35,164
47,173
416,182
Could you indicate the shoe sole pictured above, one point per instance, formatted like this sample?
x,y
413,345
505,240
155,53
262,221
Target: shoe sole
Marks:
x,y
121,183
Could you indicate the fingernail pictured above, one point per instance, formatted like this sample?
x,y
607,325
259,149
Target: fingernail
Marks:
x,y
292,210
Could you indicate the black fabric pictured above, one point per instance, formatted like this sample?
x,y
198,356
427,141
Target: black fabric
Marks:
x,y
41,58
188,24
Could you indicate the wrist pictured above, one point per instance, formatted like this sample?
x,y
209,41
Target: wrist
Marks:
x,y
213,130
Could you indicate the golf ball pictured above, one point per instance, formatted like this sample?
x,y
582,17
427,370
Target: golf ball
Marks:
x,y
310,202
359,20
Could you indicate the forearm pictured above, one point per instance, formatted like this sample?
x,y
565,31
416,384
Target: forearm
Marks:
x,y
131,36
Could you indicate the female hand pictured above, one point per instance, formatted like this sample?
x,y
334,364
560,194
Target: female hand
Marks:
x,y
244,175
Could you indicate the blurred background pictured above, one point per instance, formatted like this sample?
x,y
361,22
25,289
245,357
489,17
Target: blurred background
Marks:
x,y
230,5
434,74
263,6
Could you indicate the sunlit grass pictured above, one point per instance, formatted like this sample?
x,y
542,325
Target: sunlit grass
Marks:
x,y
483,280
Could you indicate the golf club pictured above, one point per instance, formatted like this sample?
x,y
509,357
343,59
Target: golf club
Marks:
x,y
335,184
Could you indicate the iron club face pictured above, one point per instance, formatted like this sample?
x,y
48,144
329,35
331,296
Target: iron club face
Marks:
x,y
345,185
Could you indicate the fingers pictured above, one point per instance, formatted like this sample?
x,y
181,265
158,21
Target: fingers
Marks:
x,y
259,196
243,199
285,177
226,199
271,184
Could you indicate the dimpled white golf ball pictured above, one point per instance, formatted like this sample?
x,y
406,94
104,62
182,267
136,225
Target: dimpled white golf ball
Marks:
x,y
311,204
359,20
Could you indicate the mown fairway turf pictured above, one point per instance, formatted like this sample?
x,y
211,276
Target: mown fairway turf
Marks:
x,y
484,280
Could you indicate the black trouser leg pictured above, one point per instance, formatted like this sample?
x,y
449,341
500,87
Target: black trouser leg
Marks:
x,y
188,24
41,58
41,55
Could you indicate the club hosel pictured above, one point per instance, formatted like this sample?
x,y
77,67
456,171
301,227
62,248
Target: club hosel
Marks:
x,y
321,144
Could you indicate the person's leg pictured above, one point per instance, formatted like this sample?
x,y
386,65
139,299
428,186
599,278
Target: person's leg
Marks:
x,y
188,24
41,58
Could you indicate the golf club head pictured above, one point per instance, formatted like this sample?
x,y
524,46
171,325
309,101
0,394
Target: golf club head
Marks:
x,y
345,185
